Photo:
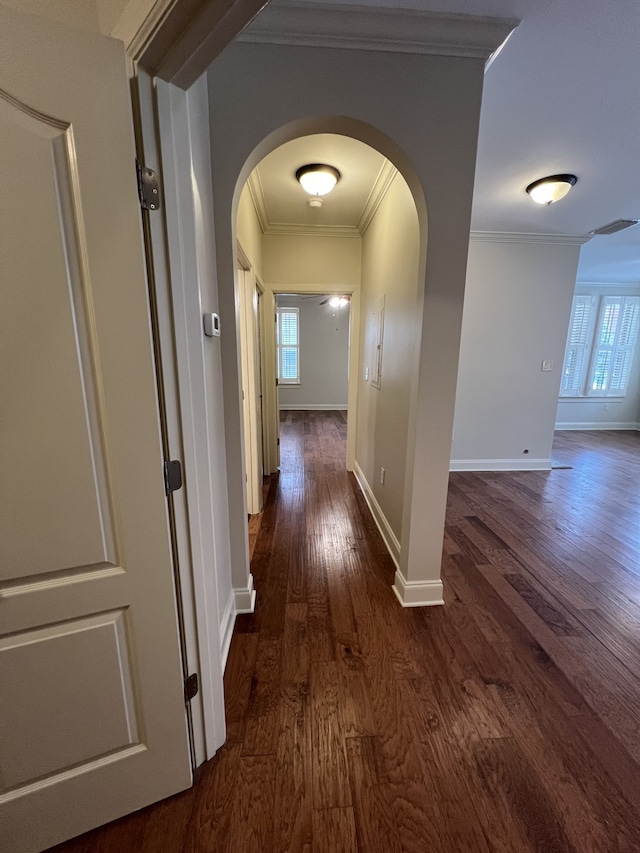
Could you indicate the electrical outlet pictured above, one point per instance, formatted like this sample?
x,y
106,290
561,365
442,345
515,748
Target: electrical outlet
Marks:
x,y
382,476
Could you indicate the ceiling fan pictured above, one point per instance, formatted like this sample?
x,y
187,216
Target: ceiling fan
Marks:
x,y
335,300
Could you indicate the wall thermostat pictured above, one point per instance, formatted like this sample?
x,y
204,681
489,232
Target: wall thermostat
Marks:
x,y
211,325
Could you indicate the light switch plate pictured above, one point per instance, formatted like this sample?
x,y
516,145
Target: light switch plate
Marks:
x,y
547,366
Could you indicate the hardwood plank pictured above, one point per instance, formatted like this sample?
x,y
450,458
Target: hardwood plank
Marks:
x,y
216,780
251,826
334,831
293,799
375,822
330,780
263,710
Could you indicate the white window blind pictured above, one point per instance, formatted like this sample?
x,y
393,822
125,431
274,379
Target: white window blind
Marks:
x,y
288,345
599,354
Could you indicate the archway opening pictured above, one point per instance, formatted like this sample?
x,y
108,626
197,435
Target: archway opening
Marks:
x,y
366,244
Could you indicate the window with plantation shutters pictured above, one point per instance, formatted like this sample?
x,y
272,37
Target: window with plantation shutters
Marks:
x,y
288,346
600,349
576,358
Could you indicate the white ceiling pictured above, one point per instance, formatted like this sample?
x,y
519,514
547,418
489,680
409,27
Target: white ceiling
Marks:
x,y
282,204
562,96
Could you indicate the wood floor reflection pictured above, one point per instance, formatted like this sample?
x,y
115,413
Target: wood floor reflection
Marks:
x,y
507,721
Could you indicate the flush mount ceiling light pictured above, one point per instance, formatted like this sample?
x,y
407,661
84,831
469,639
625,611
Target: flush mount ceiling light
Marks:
x,y
317,178
553,188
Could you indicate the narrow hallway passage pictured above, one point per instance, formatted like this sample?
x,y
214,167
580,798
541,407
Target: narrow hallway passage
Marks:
x,y
505,721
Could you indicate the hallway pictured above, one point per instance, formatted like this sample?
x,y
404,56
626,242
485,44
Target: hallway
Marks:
x,y
505,721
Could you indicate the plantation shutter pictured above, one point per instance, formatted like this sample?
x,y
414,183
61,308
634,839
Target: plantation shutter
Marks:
x,y
623,355
288,345
575,360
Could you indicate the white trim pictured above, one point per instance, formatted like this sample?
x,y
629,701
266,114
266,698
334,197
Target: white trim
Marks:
x,y
292,229
270,390
226,627
500,465
598,425
417,593
524,237
359,27
172,147
245,597
386,177
313,407
389,537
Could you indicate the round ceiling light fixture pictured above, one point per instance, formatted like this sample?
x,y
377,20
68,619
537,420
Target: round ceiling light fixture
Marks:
x,y
317,178
553,188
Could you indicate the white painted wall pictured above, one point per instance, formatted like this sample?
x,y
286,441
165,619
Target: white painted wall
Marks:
x,y
262,95
78,13
620,412
516,314
324,354
390,269
326,261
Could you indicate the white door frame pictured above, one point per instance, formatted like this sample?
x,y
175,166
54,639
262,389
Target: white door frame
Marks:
x,y
270,392
176,266
252,445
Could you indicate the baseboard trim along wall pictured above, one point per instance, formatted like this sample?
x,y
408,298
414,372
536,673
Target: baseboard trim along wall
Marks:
x,y
226,627
417,593
245,597
589,426
313,407
500,465
389,537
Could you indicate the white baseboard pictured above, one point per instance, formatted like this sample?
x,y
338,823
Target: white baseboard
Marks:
x,y
390,538
245,597
595,425
500,465
226,627
313,407
417,593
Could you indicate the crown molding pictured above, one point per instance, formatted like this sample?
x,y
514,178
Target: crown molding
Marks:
x,y
524,237
292,229
359,27
379,190
254,185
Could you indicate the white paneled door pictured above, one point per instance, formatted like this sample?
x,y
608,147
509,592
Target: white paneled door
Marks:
x,y
93,716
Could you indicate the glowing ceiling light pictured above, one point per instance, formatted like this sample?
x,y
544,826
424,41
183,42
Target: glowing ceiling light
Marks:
x,y
317,178
553,188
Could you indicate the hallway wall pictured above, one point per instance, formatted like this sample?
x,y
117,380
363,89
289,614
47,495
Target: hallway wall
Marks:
x,y
389,270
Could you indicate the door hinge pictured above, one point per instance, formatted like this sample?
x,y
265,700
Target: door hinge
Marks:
x,y
190,687
172,476
278,442
148,188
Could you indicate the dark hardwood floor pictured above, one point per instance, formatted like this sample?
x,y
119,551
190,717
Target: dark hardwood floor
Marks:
x,y
507,721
